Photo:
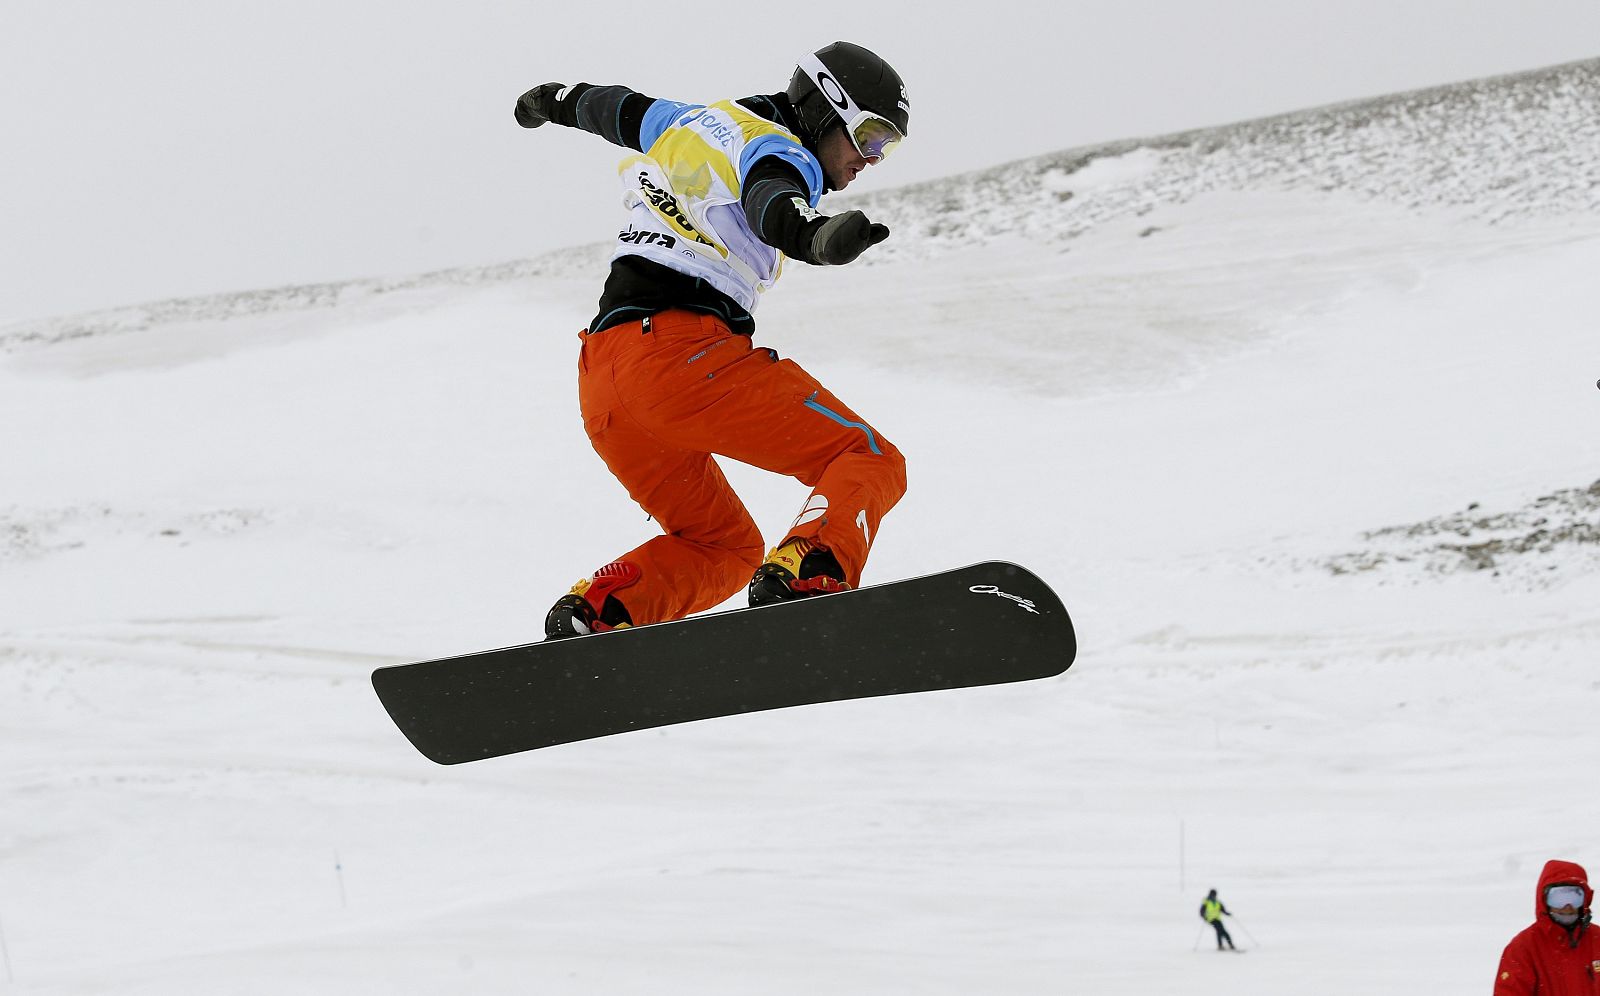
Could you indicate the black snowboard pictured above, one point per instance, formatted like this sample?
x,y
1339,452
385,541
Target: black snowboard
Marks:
x,y
981,625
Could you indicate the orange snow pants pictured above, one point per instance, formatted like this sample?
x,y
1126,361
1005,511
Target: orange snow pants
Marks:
x,y
660,396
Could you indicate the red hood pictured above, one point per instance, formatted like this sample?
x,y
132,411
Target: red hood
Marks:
x,y
1560,873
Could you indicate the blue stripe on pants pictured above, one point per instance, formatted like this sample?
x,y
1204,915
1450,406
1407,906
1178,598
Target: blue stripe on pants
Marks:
x,y
817,406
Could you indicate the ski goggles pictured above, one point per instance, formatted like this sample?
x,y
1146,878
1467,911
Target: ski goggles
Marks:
x,y
1561,896
873,135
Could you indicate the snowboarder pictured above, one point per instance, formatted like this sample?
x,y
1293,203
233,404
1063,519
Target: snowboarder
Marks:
x,y
1212,911
1557,954
718,196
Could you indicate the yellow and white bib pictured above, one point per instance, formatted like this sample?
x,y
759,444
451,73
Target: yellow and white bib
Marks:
x,y
682,194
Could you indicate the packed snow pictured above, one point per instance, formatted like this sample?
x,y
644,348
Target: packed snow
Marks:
x,y
1298,416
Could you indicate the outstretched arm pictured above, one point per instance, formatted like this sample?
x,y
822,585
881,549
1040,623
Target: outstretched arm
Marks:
x,y
617,114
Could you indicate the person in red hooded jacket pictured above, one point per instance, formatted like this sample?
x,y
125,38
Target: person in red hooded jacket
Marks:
x,y
1558,955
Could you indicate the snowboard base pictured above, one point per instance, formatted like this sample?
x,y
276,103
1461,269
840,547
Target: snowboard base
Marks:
x,y
986,624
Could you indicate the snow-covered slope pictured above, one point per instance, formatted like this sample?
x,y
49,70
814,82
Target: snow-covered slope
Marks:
x,y
1513,147
1298,415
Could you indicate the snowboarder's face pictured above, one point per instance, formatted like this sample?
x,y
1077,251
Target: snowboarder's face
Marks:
x,y
840,159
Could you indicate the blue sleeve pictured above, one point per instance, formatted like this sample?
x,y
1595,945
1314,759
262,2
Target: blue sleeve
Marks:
x,y
791,152
658,119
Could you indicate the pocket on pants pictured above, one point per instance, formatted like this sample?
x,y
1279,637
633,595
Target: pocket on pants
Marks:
x,y
595,425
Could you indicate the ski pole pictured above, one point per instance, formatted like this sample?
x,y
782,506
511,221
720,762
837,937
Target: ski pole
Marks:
x,y
1197,938
1247,933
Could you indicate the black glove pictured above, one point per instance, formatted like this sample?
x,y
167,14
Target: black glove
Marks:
x,y
843,237
538,105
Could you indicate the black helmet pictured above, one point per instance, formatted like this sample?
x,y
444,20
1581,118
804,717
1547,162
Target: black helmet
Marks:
x,y
846,84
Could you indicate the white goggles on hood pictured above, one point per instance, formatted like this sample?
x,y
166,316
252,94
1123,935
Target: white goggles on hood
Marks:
x,y
873,135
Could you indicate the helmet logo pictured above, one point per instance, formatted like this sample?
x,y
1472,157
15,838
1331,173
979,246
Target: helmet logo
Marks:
x,y
832,90
829,86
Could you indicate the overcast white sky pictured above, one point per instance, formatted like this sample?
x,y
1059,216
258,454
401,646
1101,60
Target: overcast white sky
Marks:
x,y
158,148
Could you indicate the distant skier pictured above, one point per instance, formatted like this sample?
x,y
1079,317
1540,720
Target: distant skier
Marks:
x,y
1557,954
719,196
1212,911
